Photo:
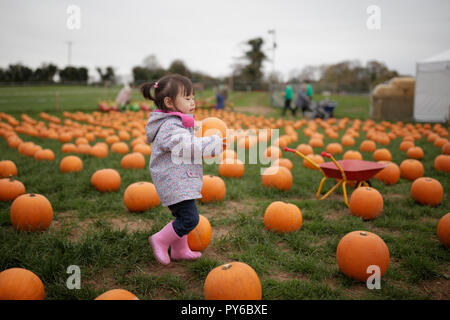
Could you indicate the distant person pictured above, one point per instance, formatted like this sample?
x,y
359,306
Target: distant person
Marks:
x,y
309,91
302,102
221,97
288,94
124,96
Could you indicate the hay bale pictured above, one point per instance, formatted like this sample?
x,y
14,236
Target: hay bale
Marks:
x,y
386,91
405,83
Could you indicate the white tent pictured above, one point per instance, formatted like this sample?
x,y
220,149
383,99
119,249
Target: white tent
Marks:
x,y
432,91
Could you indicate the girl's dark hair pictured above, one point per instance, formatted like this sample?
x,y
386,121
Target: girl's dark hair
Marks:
x,y
170,86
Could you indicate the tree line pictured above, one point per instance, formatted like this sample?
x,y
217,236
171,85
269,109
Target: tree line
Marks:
x,y
247,73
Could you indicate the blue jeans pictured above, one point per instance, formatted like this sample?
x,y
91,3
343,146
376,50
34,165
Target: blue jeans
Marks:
x,y
186,215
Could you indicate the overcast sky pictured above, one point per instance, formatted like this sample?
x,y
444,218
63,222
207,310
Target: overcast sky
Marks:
x,y
208,35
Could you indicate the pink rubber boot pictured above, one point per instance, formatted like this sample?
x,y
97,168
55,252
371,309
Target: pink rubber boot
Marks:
x,y
161,241
180,250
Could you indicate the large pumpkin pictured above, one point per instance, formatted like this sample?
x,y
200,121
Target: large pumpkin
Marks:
x,y
120,147
366,202
427,191
334,148
20,284
382,154
277,177
442,163
133,160
106,180
31,212
213,125
45,154
358,250
232,281
415,153
10,189
141,196
282,217
200,237
443,230
213,189
368,146
411,169
117,294
231,168
7,168
389,175
71,164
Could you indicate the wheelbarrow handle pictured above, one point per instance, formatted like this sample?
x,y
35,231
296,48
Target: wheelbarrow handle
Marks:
x,y
326,154
304,157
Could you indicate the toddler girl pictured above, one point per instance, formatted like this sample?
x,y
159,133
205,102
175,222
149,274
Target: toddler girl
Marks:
x,y
177,178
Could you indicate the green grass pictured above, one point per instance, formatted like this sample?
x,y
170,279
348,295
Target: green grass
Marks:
x,y
87,232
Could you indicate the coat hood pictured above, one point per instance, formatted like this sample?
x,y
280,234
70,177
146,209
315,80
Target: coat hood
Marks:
x,y
158,117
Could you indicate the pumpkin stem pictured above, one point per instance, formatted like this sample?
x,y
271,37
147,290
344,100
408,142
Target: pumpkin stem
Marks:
x,y
363,233
227,266
32,195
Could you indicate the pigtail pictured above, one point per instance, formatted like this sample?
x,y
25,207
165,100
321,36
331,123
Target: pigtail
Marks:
x,y
146,90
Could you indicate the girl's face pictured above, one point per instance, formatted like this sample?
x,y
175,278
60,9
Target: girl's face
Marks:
x,y
185,104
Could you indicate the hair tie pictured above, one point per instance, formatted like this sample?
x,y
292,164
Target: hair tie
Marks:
x,y
155,85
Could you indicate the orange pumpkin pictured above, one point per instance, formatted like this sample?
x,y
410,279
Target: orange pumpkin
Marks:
x,y
389,175
232,281
20,284
120,147
382,154
105,180
200,237
406,145
272,153
334,148
282,217
283,162
143,148
305,149
31,212
231,168
7,168
117,294
427,191
141,196
411,169
99,152
442,163
45,154
213,189
316,158
133,160
366,202
415,153
352,155
71,164
277,177
84,148
213,125
443,230
358,250
446,148
69,147
10,189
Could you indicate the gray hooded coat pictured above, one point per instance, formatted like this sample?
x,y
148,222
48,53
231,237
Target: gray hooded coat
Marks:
x,y
176,160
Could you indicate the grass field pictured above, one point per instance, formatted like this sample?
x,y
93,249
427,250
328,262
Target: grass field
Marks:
x,y
96,232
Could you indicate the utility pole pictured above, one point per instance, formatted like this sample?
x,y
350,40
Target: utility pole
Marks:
x,y
69,52
274,46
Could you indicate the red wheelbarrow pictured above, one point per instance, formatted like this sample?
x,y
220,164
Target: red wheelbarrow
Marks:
x,y
343,170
